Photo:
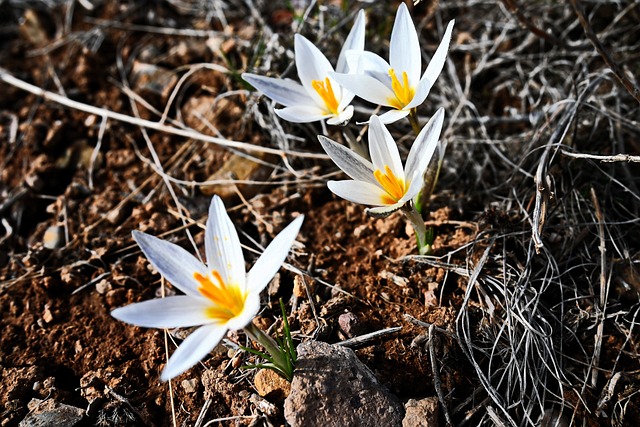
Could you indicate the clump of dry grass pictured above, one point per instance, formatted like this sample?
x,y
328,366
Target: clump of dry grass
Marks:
x,y
548,296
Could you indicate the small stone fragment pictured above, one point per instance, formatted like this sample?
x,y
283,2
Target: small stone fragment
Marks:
x,y
103,286
274,285
45,413
271,385
421,413
53,237
361,231
349,324
299,287
153,81
190,386
263,405
304,287
331,387
47,316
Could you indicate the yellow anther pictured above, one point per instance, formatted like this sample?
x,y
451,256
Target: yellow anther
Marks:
x,y
394,186
228,298
404,92
324,89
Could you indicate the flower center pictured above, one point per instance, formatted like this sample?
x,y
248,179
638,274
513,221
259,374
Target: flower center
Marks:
x,y
394,186
404,92
228,298
324,89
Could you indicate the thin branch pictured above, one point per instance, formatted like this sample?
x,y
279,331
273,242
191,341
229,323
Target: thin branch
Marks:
x,y
515,9
6,77
605,159
593,38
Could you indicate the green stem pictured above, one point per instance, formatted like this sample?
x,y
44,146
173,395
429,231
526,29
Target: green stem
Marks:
x,y
413,119
423,236
269,344
430,179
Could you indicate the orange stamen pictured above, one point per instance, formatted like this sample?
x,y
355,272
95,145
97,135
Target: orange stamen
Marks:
x,y
394,186
403,91
325,91
228,298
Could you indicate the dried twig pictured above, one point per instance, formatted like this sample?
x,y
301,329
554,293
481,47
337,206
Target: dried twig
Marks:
x,y
8,78
605,159
542,179
601,305
436,376
593,38
363,339
515,9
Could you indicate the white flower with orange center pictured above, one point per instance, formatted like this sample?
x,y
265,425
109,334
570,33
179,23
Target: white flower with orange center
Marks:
x,y
219,295
319,97
396,83
383,182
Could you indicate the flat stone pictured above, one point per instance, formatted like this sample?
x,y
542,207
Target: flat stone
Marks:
x,y
48,413
331,387
421,413
271,385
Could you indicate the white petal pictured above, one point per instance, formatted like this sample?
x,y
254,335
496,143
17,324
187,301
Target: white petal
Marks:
x,y
343,118
384,211
421,93
383,149
369,61
415,182
404,49
363,62
439,58
273,256
284,91
354,41
366,87
249,311
349,162
193,349
347,97
311,65
180,311
302,113
173,262
425,144
393,116
363,193
222,245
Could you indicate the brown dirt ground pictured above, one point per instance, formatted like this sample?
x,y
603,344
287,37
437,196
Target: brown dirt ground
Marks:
x,y
58,340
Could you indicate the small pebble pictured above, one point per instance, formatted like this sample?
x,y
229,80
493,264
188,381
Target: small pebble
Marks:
x,y
103,286
349,324
190,386
54,237
47,316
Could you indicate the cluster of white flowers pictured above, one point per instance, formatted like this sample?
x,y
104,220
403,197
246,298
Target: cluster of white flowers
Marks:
x,y
219,295
325,94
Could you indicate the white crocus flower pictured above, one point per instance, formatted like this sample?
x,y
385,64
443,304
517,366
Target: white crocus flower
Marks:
x,y
219,295
396,83
384,182
319,97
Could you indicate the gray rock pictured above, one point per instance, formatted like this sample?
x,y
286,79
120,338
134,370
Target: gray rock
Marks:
x,y
331,387
47,413
421,413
